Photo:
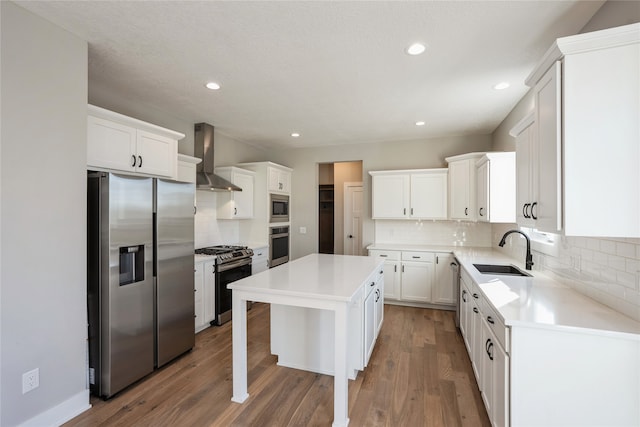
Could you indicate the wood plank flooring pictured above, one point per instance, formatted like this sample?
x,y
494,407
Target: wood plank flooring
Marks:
x,y
419,375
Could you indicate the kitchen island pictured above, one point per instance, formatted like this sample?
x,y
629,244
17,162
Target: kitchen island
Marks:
x,y
317,281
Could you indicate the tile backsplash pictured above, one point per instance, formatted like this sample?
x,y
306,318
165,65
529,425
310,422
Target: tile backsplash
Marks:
x,y
450,233
208,230
604,269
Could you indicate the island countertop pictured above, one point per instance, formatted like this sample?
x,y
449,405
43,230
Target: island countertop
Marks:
x,y
321,276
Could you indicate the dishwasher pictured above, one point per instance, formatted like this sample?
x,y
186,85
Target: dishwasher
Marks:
x,y
455,267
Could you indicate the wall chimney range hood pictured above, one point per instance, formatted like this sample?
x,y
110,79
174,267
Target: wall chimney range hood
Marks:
x,y
203,149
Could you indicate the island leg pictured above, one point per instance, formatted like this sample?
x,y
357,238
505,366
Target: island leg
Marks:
x,y
239,341
340,378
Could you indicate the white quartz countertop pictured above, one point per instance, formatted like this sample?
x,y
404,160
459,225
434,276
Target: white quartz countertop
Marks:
x,y
322,276
540,300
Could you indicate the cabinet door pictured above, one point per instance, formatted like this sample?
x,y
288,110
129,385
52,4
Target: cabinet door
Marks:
x,y
369,325
500,387
199,297
526,161
392,280
462,190
243,200
390,196
379,302
279,180
482,191
477,346
428,195
443,290
465,317
110,145
156,155
416,281
547,175
209,290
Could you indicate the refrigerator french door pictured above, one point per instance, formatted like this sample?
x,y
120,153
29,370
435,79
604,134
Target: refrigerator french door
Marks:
x,y
139,277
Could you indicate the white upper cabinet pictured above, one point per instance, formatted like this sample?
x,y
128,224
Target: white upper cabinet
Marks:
x,y
496,187
587,121
121,143
279,180
526,164
462,186
409,194
236,204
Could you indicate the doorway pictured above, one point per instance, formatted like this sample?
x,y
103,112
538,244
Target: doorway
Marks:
x,y
332,178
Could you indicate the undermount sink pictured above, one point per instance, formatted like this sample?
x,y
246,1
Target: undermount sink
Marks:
x,y
508,270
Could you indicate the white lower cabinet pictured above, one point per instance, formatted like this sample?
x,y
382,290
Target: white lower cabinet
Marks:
x,y
417,276
260,260
485,337
205,281
443,291
199,297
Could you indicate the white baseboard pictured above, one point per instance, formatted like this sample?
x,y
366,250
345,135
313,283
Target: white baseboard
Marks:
x,y
61,413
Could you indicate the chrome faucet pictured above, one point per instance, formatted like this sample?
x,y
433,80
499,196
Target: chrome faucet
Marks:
x,y
529,260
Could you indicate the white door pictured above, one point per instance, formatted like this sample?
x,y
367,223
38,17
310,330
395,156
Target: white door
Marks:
x,y
353,218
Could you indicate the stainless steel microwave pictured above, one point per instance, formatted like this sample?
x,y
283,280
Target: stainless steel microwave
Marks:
x,y
279,208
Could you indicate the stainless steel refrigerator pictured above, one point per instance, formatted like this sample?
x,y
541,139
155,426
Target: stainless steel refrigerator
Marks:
x,y
139,276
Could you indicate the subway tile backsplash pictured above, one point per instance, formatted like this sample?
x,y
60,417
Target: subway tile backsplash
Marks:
x,y
209,231
605,269
449,233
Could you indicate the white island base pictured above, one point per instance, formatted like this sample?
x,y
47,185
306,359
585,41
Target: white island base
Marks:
x,y
331,285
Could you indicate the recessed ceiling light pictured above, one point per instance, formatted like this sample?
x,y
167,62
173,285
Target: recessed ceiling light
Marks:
x,y
213,86
420,123
416,49
501,85
295,134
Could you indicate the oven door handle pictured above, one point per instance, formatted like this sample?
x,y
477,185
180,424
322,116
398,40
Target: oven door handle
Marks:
x,y
233,264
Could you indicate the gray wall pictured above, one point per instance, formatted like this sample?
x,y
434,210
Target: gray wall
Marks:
x,y
43,220
378,156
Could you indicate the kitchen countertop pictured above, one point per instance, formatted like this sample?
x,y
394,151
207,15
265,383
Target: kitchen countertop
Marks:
x,y
321,276
540,300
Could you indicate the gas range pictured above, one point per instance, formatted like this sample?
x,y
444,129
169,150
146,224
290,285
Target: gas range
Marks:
x,y
226,253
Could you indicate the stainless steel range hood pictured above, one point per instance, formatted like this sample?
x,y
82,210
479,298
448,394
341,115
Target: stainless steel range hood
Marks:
x,y
203,149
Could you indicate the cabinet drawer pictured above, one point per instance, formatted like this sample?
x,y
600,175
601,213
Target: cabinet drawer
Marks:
x,y
389,255
496,325
418,256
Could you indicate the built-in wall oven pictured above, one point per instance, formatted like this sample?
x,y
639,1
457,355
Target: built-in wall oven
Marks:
x,y
278,245
279,208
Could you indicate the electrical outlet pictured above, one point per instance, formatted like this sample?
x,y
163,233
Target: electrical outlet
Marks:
x,y
30,380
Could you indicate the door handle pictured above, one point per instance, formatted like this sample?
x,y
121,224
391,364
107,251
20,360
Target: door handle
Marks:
x,y
133,165
350,236
140,161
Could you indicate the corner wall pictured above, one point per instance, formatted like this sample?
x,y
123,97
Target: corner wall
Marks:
x,y
43,314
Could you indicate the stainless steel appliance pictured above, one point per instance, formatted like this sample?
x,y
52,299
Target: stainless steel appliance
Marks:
x,y
279,208
278,245
204,149
139,276
455,267
232,263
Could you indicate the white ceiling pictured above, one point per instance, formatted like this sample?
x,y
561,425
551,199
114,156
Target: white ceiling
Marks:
x,y
336,72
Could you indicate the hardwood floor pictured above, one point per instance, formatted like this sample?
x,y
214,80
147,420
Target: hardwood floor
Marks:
x,y
419,375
